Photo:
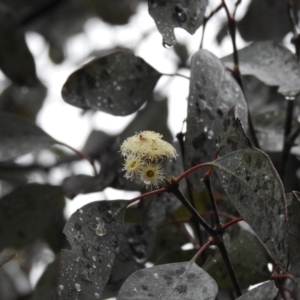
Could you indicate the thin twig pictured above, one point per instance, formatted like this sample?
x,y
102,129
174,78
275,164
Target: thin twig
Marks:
x,y
236,70
230,269
287,145
205,20
79,153
189,188
204,247
230,223
176,74
174,189
207,183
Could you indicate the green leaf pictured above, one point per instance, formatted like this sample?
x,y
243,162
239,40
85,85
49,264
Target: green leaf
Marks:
x,y
178,281
248,257
93,234
213,92
176,13
23,209
255,189
16,61
118,84
266,291
271,63
19,136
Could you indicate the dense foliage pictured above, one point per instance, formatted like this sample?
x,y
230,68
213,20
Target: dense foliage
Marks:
x,y
223,213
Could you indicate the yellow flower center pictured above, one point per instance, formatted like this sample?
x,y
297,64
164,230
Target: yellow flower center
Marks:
x,y
150,173
132,164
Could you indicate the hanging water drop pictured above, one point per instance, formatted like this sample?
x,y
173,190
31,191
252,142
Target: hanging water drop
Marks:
x,y
166,45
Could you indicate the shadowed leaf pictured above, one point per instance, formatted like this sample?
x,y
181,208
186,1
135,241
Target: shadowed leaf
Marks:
x,y
93,233
269,128
23,209
213,92
255,189
266,291
6,259
258,22
271,63
176,13
46,286
114,11
19,136
232,134
22,101
293,201
248,257
16,61
178,281
118,84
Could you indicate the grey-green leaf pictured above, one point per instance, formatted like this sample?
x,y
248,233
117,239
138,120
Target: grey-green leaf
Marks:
x,y
213,92
255,189
178,281
271,63
16,60
19,136
269,128
169,14
232,134
23,209
118,84
293,201
93,234
266,291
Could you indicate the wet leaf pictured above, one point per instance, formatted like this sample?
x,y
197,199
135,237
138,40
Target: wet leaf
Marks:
x,y
19,136
269,128
248,257
258,22
23,209
135,247
271,63
213,92
255,189
293,201
117,84
6,259
178,281
266,291
232,134
93,233
176,13
16,61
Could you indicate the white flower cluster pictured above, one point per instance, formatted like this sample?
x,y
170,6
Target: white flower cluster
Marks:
x,y
143,155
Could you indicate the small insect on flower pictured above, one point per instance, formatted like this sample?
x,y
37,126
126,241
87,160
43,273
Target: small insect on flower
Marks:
x,y
132,165
151,175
